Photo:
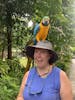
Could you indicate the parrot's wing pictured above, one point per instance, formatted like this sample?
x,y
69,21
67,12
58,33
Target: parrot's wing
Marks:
x,y
36,29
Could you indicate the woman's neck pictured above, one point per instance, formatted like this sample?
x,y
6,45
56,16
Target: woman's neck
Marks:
x,y
44,71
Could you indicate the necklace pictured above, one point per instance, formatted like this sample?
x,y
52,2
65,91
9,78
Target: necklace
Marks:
x,y
44,74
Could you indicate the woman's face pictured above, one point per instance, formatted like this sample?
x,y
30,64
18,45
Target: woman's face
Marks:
x,y
41,57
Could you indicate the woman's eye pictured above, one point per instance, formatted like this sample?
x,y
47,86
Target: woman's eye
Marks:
x,y
44,51
40,51
36,51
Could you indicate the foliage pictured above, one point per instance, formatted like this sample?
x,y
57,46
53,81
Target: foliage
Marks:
x,y
8,87
21,34
3,68
73,50
10,79
23,61
10,9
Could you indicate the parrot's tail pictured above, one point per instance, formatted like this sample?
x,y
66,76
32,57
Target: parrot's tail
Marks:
x,y
30,60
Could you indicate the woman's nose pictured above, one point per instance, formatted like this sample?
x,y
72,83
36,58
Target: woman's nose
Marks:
x,y
38,53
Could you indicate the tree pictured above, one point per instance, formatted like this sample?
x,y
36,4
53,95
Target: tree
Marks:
x,y
14,7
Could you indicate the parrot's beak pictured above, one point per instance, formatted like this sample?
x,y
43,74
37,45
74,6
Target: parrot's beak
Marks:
x,y
45,23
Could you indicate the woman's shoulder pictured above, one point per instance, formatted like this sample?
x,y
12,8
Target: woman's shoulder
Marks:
x,y
65,81
64,76
61,73
29,73
26,75
57,69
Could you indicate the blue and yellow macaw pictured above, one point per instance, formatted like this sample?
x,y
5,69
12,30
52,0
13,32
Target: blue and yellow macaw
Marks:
x,y
41,30
40,33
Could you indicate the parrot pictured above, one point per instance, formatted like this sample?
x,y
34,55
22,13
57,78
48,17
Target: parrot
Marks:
x,y
41,30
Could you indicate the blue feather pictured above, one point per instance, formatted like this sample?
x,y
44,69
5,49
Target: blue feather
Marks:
x,y
36,29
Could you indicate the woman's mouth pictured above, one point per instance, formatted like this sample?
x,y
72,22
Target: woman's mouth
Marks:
x,y
40,61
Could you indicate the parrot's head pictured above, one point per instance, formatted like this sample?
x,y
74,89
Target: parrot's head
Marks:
x,y
46,21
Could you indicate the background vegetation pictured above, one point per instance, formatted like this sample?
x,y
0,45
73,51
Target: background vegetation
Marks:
x,y
15,32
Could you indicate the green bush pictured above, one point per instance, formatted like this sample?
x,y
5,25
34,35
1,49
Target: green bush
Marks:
x,y
65,66
73,50
64,63
9,87
3,67
11,75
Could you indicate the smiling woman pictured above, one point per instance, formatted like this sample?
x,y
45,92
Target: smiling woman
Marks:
x,y
44,81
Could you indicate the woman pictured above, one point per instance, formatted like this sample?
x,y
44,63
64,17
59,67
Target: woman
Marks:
x,y
45,81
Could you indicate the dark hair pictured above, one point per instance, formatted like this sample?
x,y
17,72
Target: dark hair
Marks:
x,y
52,58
